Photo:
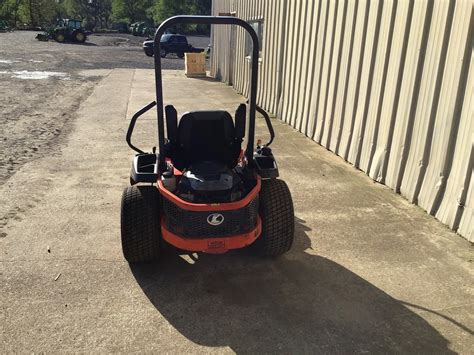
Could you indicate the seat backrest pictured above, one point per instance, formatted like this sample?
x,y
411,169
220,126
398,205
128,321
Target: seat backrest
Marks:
x,y
206,136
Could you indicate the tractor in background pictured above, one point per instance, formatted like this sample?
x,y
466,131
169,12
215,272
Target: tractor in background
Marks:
x,y
142,29
65,30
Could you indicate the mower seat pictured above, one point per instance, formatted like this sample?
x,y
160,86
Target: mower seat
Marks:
x,y
205,136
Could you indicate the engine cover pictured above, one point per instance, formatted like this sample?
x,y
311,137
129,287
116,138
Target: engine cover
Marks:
x,y
210,182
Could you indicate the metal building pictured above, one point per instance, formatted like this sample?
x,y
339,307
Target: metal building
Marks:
x,y
387,85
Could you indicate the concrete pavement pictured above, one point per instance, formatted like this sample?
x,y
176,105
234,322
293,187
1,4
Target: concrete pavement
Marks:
x,y
369,272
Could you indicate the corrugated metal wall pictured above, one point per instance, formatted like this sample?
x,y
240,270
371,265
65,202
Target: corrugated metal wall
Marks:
x,y
387,85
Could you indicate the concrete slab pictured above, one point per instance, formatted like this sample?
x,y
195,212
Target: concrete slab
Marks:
x,y
369,272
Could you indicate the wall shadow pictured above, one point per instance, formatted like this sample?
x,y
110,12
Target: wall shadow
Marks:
x,y
205,78
297,303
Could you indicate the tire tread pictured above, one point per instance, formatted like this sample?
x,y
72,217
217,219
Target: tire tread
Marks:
x,y
278,221
140,223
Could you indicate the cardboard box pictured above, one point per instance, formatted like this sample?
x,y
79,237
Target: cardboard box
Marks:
x,y
195,64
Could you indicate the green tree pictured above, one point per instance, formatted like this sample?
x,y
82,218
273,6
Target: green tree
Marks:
x,y
9,11
100,13
201,7
72,9
94,13
163,9
131,10
37,12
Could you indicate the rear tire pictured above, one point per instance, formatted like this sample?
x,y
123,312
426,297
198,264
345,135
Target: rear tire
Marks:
x,y
278,219
180,55
80,37
140,223
163,53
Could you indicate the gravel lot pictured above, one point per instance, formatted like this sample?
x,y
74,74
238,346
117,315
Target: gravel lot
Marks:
x,y
43,83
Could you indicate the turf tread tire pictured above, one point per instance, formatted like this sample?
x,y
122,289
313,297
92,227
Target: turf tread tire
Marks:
x,y
80,37
60,37
278,219
140,223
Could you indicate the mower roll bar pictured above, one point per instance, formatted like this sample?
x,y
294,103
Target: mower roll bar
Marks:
x,y
268,122
205,20
152,104
132,126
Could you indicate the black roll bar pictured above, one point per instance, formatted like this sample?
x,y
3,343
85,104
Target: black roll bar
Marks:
x,y
269,124
205,20
132,126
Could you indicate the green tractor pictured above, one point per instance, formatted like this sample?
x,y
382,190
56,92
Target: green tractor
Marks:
x,y
65,30
137,28
142,29
149,32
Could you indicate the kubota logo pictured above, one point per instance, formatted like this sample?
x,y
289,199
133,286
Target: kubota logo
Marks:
x,y
215,219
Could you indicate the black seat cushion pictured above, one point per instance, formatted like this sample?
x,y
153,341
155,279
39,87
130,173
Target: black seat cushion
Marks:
x,y
206,136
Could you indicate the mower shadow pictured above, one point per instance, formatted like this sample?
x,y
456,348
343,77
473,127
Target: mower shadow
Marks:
x,y
299,303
